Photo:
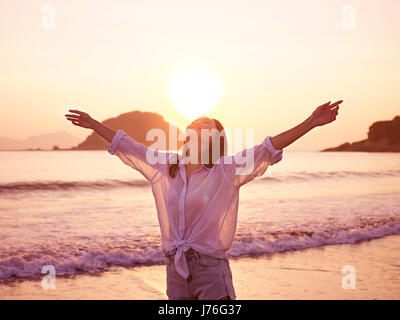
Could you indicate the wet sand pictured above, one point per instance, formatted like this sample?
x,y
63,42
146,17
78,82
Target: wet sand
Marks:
x,y
314,273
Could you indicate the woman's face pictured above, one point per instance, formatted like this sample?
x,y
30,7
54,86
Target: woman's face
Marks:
x,y
193,140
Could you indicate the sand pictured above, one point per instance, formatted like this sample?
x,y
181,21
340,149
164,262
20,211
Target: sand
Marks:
x,y
314,273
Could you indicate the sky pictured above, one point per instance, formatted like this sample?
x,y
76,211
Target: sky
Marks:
x,y
274,63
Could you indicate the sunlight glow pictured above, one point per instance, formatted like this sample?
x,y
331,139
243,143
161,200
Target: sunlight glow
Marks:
x,y
194,93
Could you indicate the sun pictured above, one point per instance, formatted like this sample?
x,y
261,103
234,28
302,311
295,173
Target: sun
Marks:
x,y
194,92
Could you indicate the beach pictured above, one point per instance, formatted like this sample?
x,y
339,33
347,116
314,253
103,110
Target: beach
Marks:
x,y
314,273
298,225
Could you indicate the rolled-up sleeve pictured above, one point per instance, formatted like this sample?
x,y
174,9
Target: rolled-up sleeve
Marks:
x,y
275,155
136,155
115,141
250,163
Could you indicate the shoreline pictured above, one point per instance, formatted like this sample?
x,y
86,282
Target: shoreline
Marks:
x,y
312,273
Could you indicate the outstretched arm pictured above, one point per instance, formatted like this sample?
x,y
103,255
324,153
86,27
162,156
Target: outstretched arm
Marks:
x,y
83,120
131,152
324,114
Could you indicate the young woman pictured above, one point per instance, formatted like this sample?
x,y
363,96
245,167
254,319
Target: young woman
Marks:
x,y
197,195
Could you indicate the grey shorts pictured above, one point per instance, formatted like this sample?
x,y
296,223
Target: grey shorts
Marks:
x,y
209,278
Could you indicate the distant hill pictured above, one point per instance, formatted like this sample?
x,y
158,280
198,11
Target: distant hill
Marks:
x,y
44,141
383,136
135,124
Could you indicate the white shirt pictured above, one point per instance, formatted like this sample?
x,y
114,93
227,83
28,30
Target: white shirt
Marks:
x,y
201,214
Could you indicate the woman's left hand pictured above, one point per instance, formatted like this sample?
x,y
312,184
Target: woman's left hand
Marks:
x,y
325,113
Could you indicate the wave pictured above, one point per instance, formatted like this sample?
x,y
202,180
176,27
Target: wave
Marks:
x,y
304,175
32,186
68,185
86,255
313,235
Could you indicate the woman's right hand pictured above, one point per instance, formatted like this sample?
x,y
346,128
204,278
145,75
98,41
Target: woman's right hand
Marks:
x,y
80,119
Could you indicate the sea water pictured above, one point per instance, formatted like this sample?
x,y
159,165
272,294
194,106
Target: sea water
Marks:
x,y
85,211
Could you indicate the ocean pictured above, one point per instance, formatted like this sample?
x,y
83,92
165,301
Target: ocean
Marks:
x,y
85,211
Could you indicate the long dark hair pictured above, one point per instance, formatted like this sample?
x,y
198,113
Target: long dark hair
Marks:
x,y
173,167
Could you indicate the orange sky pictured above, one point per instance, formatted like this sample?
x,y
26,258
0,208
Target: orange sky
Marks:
x,y
276,60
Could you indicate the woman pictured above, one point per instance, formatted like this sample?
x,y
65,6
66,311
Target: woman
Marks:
x,y
197,195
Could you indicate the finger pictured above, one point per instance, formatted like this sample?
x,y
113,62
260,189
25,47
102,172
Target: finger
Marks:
x,y
75,111
324,105
72,116
337,103
72,119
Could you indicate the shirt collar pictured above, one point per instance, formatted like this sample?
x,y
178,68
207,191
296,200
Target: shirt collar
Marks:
x,y
183,161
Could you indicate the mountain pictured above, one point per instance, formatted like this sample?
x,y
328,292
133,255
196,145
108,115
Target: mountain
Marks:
x,y
383,136
135,124
61,139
